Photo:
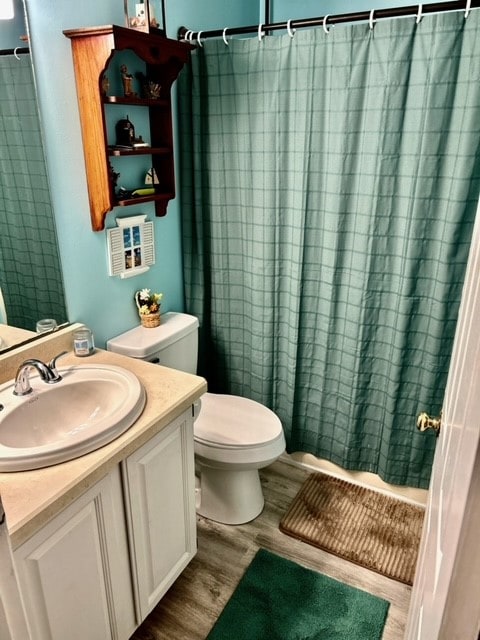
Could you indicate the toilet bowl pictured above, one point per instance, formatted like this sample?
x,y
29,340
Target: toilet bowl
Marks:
x,y
234,437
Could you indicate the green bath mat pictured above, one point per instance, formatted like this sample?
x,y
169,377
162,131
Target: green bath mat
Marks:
x,y
279,600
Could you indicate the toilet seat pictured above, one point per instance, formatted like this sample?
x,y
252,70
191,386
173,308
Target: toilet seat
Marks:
x,y
232,422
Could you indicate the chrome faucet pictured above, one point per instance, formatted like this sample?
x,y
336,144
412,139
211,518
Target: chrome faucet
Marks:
x,y
48,373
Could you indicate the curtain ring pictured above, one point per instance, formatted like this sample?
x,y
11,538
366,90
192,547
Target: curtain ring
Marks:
x,y
198,39
190,37
224,36
260,32
186,34
327,31
15,54
467,8
371,21
419,14
291,32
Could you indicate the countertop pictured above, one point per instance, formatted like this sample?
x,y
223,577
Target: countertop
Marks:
x,y
10,336
31,498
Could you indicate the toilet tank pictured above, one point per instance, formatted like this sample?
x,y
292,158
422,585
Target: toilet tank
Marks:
x,y
173,344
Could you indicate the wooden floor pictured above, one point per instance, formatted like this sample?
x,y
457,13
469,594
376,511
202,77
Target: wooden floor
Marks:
x,y
190,608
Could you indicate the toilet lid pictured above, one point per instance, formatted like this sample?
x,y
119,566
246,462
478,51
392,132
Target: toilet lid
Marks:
x,y
233,421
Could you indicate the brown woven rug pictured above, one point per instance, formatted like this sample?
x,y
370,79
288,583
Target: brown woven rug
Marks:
x,y
369,528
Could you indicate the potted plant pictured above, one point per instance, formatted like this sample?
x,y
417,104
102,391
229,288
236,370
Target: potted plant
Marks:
x,y
148,305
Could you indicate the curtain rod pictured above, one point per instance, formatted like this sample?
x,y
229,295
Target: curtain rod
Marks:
x,y
361,16
14,52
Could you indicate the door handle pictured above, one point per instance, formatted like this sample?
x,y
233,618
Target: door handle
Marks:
x,y
425,422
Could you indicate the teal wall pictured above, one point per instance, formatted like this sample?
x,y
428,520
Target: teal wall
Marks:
x,y
102,302
283,10
11,30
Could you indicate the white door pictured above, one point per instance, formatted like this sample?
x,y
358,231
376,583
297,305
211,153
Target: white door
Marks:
x,y
445,603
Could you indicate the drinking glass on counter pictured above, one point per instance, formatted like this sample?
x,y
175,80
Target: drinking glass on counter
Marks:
x,y
45,325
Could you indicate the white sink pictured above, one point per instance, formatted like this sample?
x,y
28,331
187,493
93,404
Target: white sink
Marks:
x,y
91,406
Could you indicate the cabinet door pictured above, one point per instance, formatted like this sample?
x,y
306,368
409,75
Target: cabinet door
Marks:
x,y
74,574
160,488
13,624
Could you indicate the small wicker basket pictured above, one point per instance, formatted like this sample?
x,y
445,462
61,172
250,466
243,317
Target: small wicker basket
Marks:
x,y
150,320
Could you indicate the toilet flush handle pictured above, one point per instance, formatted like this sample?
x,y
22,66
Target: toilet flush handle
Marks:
x,y
197,405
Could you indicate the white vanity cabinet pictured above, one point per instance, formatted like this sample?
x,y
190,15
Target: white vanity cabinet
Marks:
x,y
74,574
99,567
159,482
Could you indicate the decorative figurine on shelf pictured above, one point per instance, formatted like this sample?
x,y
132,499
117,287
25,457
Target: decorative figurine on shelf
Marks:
x,y
125,133
127,80
151,177
105,84
150,88
114,176
139,142
142,15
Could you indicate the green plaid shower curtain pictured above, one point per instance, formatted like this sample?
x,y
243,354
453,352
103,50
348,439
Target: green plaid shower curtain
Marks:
x,y
30,271
328,190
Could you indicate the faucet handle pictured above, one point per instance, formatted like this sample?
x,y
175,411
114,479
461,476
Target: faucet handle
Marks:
x,y
53,365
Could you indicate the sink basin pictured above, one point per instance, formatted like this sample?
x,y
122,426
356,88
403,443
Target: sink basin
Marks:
x,y
91,406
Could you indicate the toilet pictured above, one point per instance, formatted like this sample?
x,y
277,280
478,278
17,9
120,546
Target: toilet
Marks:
x,y
234,437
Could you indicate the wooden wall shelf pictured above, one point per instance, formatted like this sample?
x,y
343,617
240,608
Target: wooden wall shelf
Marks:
x,y
92,50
